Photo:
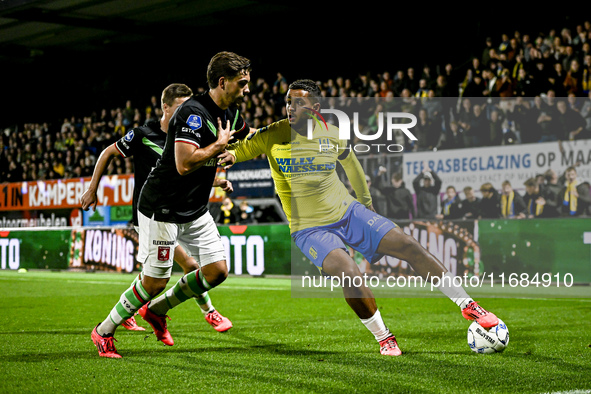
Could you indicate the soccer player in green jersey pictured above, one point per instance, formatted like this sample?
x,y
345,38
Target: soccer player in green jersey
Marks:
x,y
145,145
173,203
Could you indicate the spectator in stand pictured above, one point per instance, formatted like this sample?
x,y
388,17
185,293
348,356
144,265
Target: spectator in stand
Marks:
x,y
568,122
586,114
451,138
68,167
427,186
487,52
384,89
573,82
426,131
476,67
451,206
58,164
246,213
423,89
127,115
475,87
504,85
495,134
399,202
470,204
89,158
43,171
464,114
535,199
518,64
541,77
429,76
15,172
490,203
434,107
512,204
586,73
377,198
556,78
476,131
411,82
230,213
453,79
547,117
525,115
523,84
574,197
442,87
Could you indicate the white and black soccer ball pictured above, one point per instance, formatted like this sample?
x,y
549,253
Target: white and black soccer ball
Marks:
x,y
493,340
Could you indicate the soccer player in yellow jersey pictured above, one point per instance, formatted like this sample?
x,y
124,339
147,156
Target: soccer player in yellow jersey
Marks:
x,y
324,217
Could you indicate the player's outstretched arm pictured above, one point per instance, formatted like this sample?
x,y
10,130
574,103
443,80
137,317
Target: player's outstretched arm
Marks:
x,y
226,159
356,176
89,197
254,145
189,157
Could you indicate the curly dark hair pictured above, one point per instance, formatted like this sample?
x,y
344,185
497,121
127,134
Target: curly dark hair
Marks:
x,y
307,85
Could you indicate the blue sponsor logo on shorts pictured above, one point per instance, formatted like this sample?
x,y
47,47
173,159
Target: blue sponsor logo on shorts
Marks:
x,y
194,122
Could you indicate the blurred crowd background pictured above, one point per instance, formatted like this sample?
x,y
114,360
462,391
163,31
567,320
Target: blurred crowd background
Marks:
x,y
519,88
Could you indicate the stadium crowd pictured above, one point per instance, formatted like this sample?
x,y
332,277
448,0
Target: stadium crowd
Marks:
x,y
521,88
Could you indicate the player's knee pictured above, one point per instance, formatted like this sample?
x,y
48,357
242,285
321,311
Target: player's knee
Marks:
x,y
218,278
153,286
340,265
215,273
189,265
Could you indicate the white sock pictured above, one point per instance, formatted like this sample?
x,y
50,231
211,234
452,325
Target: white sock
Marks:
x,y
376,325
455,293
106,327
204,303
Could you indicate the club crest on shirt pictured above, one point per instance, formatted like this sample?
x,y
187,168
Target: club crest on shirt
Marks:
x,y
194,122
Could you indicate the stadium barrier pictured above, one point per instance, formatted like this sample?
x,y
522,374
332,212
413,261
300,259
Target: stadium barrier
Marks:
x,y
472,248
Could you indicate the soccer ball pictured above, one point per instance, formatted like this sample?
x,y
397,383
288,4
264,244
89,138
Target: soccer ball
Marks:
x,y
493,340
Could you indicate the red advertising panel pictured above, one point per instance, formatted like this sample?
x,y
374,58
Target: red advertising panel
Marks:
x,y
113,190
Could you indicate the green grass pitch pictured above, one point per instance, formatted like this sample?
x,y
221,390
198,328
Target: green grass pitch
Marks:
x,y
280,343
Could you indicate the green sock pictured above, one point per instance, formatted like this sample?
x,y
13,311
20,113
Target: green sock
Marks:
x,y
191,285
131,300
204,303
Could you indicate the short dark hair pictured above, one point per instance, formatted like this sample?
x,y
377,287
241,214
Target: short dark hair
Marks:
x,y
227,65
486,187
307,85
397,176
174,91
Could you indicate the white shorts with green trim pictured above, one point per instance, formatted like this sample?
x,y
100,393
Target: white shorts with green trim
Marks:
x,y
157,241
